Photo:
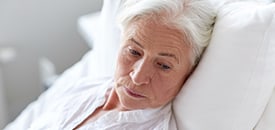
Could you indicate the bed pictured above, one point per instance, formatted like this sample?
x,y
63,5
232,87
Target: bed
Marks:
x,y
233,86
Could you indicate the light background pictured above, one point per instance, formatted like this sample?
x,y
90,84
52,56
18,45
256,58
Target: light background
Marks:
x,y
36,29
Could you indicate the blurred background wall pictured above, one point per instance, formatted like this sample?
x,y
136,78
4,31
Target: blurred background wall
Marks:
x,y
33,29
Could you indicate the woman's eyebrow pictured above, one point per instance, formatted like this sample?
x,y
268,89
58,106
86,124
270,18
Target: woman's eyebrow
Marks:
x,y
161,54
133,40
170,55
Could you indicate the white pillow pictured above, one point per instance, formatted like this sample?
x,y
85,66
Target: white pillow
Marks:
x,y
102,34
88,26
106,48
233,82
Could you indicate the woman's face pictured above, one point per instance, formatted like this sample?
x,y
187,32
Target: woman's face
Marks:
x,y
153,63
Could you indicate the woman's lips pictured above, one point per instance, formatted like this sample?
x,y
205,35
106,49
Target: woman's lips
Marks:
x,y
133,93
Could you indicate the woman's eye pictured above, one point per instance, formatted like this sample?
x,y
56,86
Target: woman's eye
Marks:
x,y
164,66
134,52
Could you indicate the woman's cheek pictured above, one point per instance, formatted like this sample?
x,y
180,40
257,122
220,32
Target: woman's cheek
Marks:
x,y
124,63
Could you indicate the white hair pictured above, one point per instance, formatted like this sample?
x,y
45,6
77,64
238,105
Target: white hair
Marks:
x,y
193,18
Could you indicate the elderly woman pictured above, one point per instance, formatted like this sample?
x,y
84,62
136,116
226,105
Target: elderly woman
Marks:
x,y
161,43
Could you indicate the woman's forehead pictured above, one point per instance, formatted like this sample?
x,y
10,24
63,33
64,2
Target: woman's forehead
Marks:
x,y
146,31
158,39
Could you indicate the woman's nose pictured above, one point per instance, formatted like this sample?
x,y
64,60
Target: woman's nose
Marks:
x,y
141,73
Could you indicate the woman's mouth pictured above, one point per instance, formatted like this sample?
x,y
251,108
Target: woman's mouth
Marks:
x,y
133,93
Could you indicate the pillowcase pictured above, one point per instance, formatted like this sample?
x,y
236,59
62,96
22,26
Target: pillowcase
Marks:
x,y
234,80
103,35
